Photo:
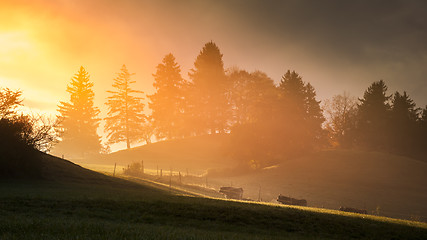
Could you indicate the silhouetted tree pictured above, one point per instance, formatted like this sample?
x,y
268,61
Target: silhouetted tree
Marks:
x,y
341,123
168,103
422,134
301,110
78,118
253,135
373,117
125,119
283,121
20,136
9,101
403,124
209,94
314,116
252,96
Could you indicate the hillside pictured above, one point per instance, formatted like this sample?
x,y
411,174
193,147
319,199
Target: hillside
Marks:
x,y
195,153
75,203
382,183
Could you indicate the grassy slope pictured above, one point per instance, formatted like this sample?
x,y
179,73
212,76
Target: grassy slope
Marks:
x,y
196,153
391,185
74,203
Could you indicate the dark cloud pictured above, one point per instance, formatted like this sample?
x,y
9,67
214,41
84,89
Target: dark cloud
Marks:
x,y
358,42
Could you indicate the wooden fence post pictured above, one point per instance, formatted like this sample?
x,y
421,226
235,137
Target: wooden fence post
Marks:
x,y
114,172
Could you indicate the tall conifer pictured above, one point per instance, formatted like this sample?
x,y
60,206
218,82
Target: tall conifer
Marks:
x,y
78,118
168,103
211,111
125,121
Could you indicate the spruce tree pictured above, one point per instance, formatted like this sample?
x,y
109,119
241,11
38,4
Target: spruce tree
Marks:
x,y
301,111
209,94
373,117
168,102
78,119
403,124
314,115
125,119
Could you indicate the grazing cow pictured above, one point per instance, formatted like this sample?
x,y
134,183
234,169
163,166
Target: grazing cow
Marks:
x,y
353,210
291,201
232,192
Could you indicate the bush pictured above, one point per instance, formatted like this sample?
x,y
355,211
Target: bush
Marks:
x,y
134,169
21,136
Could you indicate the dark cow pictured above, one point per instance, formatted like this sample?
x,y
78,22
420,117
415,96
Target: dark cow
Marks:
x,y
232,192
291,201
353,210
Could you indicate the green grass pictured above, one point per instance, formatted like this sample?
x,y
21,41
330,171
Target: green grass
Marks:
x,y
45,210
74,203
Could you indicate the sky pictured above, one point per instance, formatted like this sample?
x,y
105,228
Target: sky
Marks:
x,y
337,45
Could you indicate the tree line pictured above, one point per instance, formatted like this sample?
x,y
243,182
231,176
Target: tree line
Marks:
x,y
266,122
378,121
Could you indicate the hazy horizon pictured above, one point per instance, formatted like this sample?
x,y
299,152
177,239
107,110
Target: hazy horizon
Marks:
x,y
337,46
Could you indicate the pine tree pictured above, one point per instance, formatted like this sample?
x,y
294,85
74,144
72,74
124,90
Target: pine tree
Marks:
x,y
210,92
314,115
403,124
301,110
78,118
422,133
168,102
125,119
373,117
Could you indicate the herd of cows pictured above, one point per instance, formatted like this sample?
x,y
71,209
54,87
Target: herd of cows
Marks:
x,y
237,193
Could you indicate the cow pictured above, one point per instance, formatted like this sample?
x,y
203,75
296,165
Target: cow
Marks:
x,y
353,210
232,192
291,201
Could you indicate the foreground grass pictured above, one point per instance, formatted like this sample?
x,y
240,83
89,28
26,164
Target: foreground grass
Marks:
x,y
45,210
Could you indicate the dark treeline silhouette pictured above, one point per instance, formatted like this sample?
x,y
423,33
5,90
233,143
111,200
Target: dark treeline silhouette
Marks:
x,y
266,122
378,121
21,136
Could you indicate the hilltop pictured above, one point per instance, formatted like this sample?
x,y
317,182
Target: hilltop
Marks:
x,y
195,153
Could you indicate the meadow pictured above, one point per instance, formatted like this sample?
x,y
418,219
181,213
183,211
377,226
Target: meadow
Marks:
x,y
42,210
383,184
71,202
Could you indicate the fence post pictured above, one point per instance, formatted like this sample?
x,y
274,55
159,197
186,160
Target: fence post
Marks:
x,y
142,166
114,172
170,181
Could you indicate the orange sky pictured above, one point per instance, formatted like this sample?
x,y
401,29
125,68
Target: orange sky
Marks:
x,y
44,42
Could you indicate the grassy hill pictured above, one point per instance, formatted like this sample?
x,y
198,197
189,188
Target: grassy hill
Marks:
x,y
384,184
195,153
74,203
